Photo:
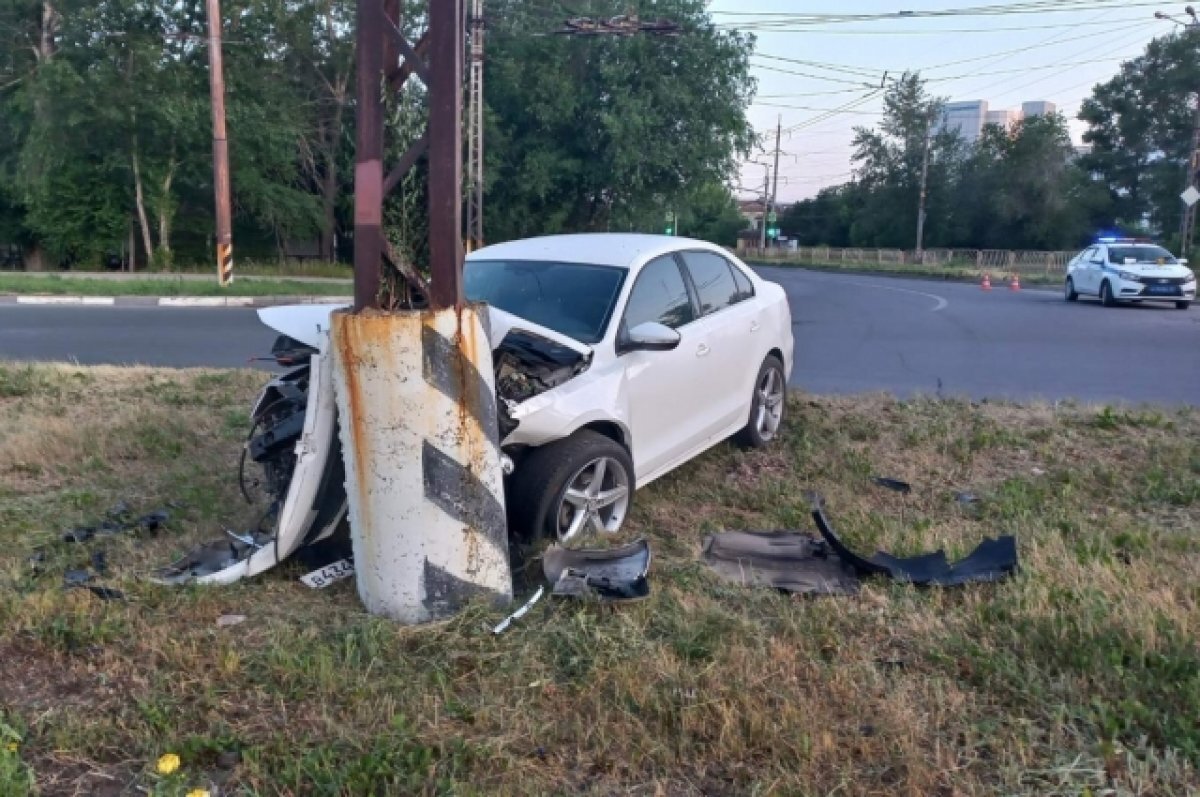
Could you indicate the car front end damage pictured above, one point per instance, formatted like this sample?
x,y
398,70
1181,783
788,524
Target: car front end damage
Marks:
x,y
292,458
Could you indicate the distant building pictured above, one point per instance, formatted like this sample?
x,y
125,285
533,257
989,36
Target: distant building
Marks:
x,y
1037,108
969,116
752,211
966,117
1005,118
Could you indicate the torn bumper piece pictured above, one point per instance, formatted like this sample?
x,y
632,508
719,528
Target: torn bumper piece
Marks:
x,y
609,575
806,564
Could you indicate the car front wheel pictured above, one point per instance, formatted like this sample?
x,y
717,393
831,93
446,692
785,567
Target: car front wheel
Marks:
x,y
572,488
767,405
1069,292
1106,296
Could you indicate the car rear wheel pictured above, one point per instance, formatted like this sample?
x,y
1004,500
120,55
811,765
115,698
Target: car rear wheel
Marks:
x,y
571,489
1182,305
1106,296
767,405
1069,293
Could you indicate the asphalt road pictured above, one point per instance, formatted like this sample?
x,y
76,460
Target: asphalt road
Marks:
x,y
853,334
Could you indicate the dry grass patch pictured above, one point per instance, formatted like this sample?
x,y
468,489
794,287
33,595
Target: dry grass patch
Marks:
x,y
1080,675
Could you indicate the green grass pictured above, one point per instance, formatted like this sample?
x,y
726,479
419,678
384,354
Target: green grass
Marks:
x,y
1081,675
163,285
956,272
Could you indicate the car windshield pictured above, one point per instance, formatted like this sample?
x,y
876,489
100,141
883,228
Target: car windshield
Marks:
x,y
1139,254
574,299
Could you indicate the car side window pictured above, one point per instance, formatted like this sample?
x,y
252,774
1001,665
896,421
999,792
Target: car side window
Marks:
x,y
745,290
659,294
1097,255
713,280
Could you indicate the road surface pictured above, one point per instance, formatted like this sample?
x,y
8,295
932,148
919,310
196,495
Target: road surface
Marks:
x,y
853,334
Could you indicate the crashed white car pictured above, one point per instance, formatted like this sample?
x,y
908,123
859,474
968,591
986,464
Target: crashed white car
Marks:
x,y
617,358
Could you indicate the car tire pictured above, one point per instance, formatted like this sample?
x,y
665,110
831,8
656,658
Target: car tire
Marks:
x,y
537,490
763,425
1069,292
1182,305
1106,296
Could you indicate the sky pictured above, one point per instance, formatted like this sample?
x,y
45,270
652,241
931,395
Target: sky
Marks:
x,y
1056,50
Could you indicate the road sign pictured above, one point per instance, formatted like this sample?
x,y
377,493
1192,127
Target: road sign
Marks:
x,y
771,217
1191,196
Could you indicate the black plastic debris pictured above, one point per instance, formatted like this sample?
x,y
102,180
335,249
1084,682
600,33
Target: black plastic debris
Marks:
x,y
992,560
609,575
806,564
897,485
118,520
211,557
104,593
100,561
153,521
80,534
76,577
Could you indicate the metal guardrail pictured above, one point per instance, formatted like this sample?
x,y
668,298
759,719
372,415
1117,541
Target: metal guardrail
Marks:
x,y
1002,261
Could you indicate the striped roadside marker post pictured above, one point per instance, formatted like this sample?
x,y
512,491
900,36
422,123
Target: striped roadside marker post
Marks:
x,y
225,263
416,395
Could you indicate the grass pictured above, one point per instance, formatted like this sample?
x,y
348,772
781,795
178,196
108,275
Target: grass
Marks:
x,y
161,285
956,272
1081,675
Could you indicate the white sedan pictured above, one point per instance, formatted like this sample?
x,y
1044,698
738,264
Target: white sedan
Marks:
x,y
628,356
1118,269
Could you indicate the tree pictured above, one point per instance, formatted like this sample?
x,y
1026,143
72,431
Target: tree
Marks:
x,y
889,164
607,132
1140,129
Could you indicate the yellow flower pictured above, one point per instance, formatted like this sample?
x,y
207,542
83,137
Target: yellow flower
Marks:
x,y
198,793
168,764
11,747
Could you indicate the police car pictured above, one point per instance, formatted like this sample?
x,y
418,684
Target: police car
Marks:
x,y
1128,269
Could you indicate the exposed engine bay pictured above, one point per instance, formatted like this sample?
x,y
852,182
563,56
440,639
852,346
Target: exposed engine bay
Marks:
x,y
527,365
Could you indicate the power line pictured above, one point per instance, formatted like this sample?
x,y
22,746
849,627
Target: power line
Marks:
x,y
942,31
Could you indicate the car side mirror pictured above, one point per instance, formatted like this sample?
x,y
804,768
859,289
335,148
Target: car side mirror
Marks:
x,y
651,336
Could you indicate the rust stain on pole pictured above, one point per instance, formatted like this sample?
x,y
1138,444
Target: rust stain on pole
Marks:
x,y
216,77
368,156
446,33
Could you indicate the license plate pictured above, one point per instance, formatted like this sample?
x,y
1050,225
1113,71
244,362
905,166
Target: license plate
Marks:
x,y
1162,290
329,574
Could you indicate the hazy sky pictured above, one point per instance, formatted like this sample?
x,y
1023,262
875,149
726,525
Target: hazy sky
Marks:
x,y
1057,50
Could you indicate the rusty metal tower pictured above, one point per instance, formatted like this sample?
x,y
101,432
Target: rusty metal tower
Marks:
x,y
475,129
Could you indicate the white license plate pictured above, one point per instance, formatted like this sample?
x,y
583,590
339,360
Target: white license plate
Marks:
x,y
329,574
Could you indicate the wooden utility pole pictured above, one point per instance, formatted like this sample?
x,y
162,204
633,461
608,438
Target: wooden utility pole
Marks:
x,y
216,77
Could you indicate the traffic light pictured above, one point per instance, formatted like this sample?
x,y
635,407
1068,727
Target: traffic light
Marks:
x,y
670,228
772,233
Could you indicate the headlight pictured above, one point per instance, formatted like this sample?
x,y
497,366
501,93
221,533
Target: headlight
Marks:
x,y
1129,275
1189,278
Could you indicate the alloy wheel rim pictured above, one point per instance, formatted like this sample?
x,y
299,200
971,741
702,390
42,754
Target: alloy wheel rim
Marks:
x,y
770,397
595,501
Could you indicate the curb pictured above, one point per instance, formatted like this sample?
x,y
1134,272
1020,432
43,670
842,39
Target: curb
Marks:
x,y
171,301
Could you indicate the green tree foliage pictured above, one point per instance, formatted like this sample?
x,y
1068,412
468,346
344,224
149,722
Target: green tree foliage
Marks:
x,y
1140,130
608,132
106,127
1016,188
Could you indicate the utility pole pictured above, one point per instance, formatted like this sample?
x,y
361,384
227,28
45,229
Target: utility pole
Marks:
x,y
475,130
216,80
762,232
775,171
920,254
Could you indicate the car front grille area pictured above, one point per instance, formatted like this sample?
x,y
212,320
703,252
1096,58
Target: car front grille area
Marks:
x,y
1162,280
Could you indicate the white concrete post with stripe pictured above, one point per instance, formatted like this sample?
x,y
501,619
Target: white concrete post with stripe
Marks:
x,y
417,404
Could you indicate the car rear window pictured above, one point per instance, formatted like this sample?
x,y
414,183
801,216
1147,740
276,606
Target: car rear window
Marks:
x,y
1139,254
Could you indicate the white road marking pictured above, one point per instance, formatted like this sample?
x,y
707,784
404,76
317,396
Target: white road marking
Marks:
x,y
941,302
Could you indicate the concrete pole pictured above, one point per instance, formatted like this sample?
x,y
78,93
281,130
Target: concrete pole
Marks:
x,y
216,78
920,253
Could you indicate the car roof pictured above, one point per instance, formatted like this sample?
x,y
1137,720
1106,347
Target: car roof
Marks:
x,y
600,248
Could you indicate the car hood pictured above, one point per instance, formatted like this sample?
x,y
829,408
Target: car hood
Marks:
x,y
309,324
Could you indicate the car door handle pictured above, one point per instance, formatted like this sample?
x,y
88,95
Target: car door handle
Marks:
x,y
753,326
702,350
